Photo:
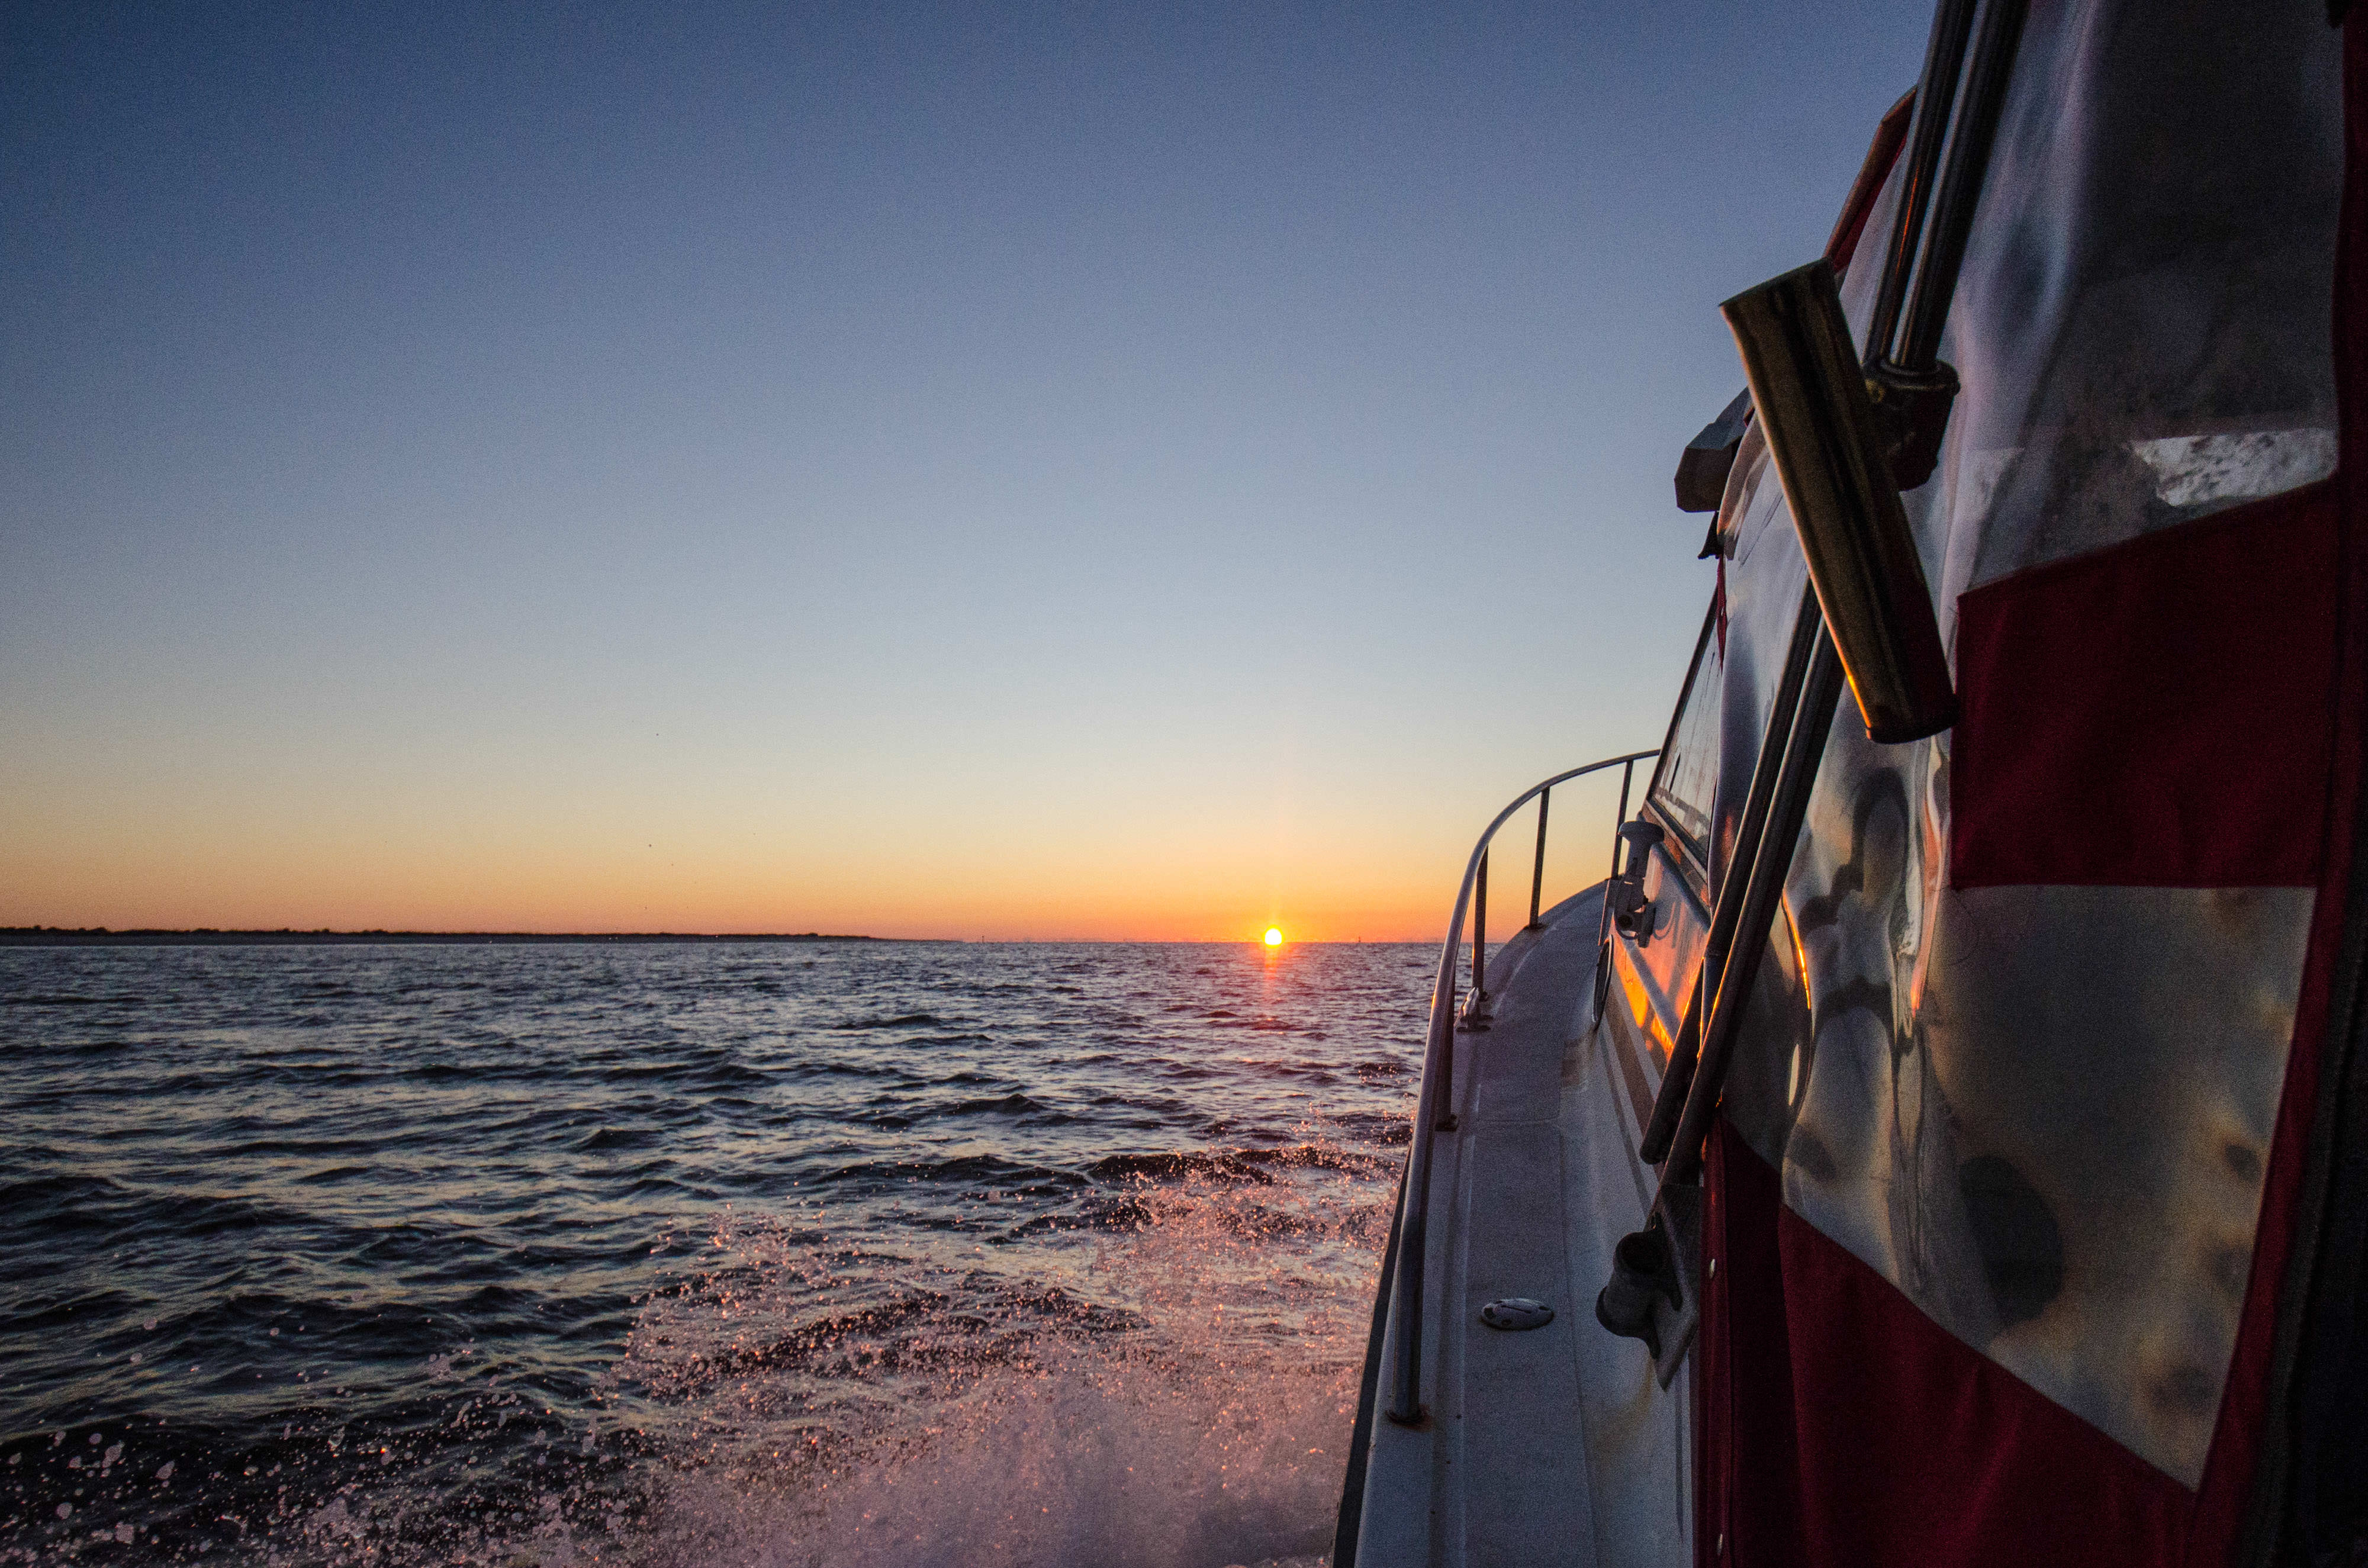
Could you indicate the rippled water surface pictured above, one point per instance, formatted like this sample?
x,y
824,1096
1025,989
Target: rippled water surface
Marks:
x,y
690,1254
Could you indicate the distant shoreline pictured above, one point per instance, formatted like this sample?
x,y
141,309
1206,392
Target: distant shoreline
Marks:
x,y
100,936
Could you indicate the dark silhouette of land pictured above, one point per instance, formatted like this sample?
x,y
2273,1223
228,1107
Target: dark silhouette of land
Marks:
x,y
100,936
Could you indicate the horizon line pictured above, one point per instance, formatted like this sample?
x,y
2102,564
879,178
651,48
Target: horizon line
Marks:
x,y
208,936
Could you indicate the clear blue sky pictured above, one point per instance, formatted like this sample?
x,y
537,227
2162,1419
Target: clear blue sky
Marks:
x,y
1050,471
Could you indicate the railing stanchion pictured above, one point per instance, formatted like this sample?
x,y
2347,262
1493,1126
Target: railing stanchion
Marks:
x,y
1480,940
1538,871
1445,1121
1621,820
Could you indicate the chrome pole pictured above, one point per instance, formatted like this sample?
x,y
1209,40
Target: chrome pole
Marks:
x,y
1726,911
1626,772
1960,191
1936,93
1805,749
1538,871
1480,943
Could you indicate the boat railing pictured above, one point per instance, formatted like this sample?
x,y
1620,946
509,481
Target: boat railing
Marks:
x,y
1435,1103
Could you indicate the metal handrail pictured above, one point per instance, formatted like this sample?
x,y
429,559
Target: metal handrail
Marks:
x,y
1434,1103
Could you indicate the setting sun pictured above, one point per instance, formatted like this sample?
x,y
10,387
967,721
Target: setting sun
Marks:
x,y
1274,936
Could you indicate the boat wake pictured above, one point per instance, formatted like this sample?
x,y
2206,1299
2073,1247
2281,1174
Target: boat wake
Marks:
x,y
1168,1386
1180,1399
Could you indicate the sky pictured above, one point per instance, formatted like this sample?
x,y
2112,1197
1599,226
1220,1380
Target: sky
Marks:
x,y
1053,471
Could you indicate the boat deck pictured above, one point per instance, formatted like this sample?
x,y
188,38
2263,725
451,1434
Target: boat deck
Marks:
x,y
1555,1445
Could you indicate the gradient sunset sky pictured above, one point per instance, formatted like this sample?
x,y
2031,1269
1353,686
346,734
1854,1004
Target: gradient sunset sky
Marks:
x,y
1080,471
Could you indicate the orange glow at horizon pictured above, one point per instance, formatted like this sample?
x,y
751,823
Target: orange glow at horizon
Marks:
x,y
369,841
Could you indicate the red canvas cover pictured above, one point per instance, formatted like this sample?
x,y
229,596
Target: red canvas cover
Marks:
x,y
2184,682
2180,710
1840,1424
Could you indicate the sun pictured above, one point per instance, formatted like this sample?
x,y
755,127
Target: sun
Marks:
x,y
1274,936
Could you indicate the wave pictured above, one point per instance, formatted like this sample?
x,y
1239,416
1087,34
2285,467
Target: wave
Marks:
x,y
962,1170
1247,1165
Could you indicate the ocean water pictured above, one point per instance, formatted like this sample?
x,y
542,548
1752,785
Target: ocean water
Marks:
x,y
877,1254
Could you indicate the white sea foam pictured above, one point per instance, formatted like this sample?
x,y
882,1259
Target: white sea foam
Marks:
x,y
1189,1407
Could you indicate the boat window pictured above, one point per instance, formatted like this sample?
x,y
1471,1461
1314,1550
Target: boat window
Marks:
x,y
1685,781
